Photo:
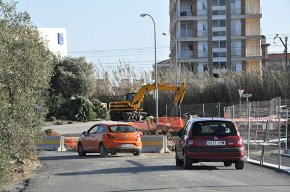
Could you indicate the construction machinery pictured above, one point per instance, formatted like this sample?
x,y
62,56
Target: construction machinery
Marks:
x,y
132,109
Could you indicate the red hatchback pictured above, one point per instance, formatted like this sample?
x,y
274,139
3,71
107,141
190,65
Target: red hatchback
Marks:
x,y
209,140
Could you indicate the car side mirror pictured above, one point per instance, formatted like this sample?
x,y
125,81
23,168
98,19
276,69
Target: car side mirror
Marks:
x,y
85,133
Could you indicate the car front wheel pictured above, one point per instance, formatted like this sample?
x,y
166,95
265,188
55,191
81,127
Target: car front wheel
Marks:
x,y
187,164
227,163
81,151
136,153
103,151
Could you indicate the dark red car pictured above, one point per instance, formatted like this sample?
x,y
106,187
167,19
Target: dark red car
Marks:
x,y
209,140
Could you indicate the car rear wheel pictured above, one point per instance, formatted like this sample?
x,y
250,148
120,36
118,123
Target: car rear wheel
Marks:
x,y
136,153
187,164
239,164
114,153
227,163
81,151
103,151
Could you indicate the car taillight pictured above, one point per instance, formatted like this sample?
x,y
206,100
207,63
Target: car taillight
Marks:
x,y
138,137
111,135
190,142
239,143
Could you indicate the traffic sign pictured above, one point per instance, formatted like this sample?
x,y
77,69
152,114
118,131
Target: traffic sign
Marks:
x,y
241,91
247,95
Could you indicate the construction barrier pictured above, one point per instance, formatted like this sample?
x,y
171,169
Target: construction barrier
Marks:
x,y
154,144
71,142
53,143
164,123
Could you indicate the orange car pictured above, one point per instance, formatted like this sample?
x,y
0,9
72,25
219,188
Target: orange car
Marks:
x,y
110,137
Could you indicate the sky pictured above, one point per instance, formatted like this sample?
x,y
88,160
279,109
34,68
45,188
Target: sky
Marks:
x,y
111,32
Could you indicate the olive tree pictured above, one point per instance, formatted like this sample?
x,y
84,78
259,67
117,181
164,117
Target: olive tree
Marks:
x,y
72,77
25,71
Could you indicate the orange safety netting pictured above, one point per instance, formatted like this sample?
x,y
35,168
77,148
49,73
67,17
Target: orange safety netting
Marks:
x,y
173,123
71,142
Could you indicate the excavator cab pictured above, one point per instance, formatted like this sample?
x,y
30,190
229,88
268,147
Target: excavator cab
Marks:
x,y
130,97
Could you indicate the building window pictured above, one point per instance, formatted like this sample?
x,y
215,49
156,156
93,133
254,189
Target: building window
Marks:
x,y
219,54
219,33
219,44
220,65
219,23
219,12
186,30
237,67
218,2
60,38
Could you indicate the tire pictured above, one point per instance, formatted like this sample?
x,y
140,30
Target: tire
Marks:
x,y
187,164
178,162
103,150
239,164
227,163
81,151
137,153
114,153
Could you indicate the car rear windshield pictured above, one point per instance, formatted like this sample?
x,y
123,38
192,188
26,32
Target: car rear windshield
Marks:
x,y
122,128
213,128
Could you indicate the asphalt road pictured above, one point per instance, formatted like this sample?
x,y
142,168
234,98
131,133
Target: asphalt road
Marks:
x,y
65,171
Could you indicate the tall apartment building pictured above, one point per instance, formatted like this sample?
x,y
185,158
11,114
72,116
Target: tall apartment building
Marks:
x,y
216,35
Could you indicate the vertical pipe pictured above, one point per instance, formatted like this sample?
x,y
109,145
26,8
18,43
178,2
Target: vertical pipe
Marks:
x,y
286,145
279,139
249,131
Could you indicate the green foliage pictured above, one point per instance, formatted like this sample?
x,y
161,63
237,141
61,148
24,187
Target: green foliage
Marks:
x,y
72,77
54,102
79,109
25,71
100,110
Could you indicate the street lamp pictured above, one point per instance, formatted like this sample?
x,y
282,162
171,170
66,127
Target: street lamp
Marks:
x,y
176,52
156,85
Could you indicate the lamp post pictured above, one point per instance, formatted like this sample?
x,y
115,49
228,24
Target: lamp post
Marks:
x,y
176,52
156,85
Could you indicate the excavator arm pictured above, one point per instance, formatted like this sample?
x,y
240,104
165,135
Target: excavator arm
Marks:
x,y
124,109
179,93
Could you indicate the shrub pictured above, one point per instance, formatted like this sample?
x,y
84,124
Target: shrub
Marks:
x,y
52,119
79,109
100,110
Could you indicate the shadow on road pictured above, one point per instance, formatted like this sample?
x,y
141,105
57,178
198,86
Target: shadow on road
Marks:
x,y
140,168
208,187
72,156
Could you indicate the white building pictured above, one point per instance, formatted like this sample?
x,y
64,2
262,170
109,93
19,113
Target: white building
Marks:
x,y
56,40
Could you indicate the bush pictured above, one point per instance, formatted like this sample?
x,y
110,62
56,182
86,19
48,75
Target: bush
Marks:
x,y
79,109
100,110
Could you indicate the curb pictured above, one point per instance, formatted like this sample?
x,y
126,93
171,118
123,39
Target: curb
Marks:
x,y
270,165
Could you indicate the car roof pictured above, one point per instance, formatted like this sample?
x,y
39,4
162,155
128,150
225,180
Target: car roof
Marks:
x,y
209,119
111,123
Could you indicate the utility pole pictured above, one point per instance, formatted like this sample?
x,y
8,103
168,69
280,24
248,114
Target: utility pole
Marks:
x,y
286,48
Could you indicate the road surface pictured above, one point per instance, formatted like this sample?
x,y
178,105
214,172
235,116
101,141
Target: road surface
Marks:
x,y
65,171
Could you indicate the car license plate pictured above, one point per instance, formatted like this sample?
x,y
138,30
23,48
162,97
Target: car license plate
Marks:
x,y
127,145
215,143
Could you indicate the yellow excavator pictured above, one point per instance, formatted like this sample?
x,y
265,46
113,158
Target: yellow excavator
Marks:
x,y
132,108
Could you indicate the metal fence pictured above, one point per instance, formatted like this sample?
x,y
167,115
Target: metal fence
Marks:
x,y
262,124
